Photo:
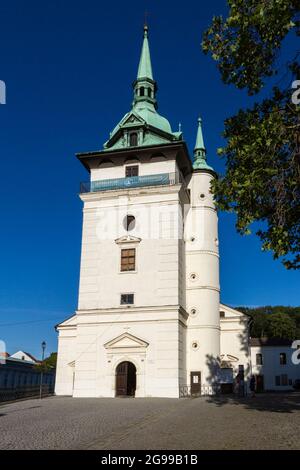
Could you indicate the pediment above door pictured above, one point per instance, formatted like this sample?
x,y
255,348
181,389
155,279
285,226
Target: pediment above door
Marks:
x,y
127,239
126,341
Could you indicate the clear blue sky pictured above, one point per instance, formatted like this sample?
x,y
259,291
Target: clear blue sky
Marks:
x,y
68,67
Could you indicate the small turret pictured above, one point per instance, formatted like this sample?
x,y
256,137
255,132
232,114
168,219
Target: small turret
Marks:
x,y
200,151
202,270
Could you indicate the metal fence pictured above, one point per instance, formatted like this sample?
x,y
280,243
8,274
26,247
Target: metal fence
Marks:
x,y
205,390
11,394
130,182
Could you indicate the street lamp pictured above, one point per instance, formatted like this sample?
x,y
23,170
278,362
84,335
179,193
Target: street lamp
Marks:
x,y
42,365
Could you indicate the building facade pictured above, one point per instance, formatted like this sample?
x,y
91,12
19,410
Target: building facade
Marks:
x,y
275,364
24,356
149,320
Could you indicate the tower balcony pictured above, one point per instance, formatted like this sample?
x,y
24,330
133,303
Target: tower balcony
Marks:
x,y
161,179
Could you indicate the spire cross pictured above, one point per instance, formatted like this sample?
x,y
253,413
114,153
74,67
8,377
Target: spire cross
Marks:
x,y
146,14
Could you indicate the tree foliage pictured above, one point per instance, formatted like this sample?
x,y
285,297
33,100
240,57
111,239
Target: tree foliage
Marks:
x,y
281,325
262,181
278,321
49,363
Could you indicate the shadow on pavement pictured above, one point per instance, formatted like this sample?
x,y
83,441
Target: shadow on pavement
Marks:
x,y
277,403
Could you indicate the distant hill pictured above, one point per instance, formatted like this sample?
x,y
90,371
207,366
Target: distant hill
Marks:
x,y
279,321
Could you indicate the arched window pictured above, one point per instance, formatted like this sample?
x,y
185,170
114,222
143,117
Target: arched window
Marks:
x,y
133,139
149,92
142,91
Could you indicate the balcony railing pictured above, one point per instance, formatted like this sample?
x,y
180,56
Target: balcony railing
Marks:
x,y
160,179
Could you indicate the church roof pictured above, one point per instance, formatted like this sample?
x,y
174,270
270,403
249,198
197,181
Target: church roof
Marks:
x,y
143,114
142,126
270,342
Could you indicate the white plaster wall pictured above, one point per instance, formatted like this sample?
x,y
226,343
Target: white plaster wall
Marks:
x,y
182,355
153,167
65,367
271,366
203,292
234,342
22,356
156,283
157,365
156,278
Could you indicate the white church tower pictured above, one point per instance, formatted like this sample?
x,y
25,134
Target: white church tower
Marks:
x,y
148,317
202,273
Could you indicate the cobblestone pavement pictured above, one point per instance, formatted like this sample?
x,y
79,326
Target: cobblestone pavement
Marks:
x,y
264,422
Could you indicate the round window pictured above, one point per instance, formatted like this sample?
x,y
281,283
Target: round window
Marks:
x,y
129,222
193,311
195,345
193,276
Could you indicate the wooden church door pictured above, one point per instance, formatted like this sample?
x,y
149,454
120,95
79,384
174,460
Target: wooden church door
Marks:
x,y
125,379
121,379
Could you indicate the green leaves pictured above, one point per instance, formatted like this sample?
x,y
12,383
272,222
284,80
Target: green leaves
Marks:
x,y
262,181
280,325
48,364
279,321
246,43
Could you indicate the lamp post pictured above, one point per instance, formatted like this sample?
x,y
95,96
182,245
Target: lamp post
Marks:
x,y
42,365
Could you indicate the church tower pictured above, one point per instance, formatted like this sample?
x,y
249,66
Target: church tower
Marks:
x,y
128,334
148,320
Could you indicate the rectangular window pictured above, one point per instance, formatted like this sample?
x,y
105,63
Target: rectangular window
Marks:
x,y
133,139
277,380
128,260
282,359
259,359
284,379
131,171
127,299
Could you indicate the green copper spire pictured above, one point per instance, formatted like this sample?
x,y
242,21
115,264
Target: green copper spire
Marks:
x,y
142,125
200,151
144,86
145,68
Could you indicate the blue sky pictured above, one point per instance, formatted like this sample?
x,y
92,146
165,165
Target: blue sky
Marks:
x,y
68,67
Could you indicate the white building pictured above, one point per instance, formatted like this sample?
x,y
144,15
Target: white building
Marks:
x,y
149,319
275,364
24,356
